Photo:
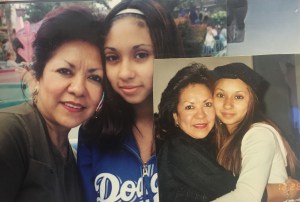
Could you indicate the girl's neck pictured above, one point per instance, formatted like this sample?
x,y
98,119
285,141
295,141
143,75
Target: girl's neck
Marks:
x,y
144,110
143,130
231,128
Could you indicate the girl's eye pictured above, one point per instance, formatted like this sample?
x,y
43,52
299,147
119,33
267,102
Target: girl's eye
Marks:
x,y
219,95
65,71
142,55
111,58
208,104
96,78
189,107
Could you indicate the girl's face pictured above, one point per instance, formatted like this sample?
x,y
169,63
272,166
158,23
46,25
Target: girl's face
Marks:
x,y
71,85
231,100
195,112
129,59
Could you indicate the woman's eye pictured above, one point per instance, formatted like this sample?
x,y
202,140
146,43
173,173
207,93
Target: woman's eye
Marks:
x,y
208,104
64,71
189,107
96,78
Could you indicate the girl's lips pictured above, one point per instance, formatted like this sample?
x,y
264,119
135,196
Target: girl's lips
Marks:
x,y
227,114
129,90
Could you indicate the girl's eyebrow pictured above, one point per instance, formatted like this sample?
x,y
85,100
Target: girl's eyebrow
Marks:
x,y
139,45
221,89
134,47
190,102
110,48
237,91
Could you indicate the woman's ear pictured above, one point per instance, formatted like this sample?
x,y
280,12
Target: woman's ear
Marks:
x,y
175,117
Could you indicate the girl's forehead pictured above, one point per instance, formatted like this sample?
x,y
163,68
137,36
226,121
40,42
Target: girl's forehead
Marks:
x,y
129,19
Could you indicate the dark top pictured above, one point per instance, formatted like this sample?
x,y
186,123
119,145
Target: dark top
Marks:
x,y
31,168
188,171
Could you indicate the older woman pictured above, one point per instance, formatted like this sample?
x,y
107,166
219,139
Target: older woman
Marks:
x,y
36,159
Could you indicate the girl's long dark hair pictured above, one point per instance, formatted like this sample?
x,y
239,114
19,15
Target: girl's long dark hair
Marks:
x,y
117,117
229,154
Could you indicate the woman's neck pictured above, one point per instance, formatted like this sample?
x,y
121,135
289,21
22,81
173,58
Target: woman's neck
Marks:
x,y
59,137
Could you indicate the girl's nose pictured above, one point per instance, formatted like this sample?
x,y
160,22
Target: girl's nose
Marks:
x,y
126,70
228,103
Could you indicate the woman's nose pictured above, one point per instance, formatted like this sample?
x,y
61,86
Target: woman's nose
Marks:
x,y
77,86
200,113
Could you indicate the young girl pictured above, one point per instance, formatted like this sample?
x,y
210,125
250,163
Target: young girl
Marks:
x,y
116,152
253,147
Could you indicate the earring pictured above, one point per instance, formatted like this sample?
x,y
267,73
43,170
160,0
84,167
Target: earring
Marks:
x,y
99,107
34,96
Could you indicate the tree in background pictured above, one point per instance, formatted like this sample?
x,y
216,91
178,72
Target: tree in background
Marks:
x,y
37,10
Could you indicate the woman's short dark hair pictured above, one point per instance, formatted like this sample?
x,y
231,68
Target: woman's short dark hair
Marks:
x,y
65,24
195,73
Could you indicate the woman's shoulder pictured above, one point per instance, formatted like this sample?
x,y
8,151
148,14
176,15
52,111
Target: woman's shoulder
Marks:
x,y
18,110
11,115
15,125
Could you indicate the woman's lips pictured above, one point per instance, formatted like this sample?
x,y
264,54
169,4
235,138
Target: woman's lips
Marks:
x,y
73,107
200,125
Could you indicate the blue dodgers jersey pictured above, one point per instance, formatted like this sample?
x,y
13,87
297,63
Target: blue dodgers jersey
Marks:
x,y
117,176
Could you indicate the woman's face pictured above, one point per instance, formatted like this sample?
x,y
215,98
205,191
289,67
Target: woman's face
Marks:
x,y
71,85
195,112
129,59
231,100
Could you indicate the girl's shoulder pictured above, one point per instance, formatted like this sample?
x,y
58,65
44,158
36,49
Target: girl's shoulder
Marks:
x,y
263,129
271,133
261,132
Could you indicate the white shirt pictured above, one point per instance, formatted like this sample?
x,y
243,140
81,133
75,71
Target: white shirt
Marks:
x,y
263,162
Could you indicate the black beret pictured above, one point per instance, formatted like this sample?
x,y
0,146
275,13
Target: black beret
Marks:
x,y
241,71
